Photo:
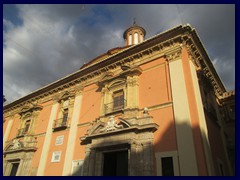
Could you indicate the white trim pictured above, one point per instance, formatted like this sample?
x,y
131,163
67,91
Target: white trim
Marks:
x,y
55,154
47,141
72,135
59,140
7,131
184,133
174,155
202,121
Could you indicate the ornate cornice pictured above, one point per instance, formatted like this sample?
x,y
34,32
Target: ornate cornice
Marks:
x,y
30,108
166,44
174,53
202,62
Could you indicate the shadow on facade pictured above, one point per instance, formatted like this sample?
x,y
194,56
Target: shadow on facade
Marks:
x,y
105,155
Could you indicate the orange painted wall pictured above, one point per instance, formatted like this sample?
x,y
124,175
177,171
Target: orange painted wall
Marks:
x,y
165,136
43,118
153,84
91,101
15,127
56,168
79,150
5,124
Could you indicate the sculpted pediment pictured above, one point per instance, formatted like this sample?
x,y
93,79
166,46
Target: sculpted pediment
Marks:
x,y
29,108
66,95
110,125
14,145
113,127
107,75
28,143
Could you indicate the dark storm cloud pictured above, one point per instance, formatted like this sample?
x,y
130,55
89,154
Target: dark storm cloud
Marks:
x,y
55,40
216,28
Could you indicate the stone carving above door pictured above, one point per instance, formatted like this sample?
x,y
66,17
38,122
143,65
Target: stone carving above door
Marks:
x,y
98,128
111,125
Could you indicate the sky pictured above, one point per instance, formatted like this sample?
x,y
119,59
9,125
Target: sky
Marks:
x,y
43,43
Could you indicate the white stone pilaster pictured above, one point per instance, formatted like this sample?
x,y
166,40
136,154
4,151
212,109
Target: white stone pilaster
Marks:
x,y
184,134
72,135
47,140
7,131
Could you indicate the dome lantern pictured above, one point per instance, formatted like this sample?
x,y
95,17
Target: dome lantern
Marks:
x,y
134,34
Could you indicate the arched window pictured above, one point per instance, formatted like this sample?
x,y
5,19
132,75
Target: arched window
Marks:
x,y
130,40
135,38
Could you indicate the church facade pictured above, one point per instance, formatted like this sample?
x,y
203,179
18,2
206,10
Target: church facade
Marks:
x,y
154,107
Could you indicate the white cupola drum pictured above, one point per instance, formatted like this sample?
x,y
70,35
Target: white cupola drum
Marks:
x,y
134,35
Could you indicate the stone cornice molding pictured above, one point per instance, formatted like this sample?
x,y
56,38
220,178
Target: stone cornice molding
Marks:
x,y
227,97
202,61
78,90
130,54
126,72
155,47
174,53
29,109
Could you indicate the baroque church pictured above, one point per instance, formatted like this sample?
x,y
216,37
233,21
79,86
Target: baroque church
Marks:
x,y
153,107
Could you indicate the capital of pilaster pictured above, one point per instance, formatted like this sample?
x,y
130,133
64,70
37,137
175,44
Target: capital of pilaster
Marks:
x,y
174,54
55,99
78,90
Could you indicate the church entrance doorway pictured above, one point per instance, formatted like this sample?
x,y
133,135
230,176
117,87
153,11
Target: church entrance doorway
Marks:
x,y
115,163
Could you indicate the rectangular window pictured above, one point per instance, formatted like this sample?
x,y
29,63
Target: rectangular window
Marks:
x,y
65,117
118,100
59,140
27,125
167,166
14,169
56,156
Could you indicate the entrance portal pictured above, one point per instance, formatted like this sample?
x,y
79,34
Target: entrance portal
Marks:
x,y
115,163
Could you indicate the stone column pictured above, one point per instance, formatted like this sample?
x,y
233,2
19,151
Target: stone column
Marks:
x,y
133,161
8,167
136,160
99,164
135,91
184,134
203,125
5,164
7,131
129,92
104,99
47,140
92,163
148,159
72,133
25,166
86,162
